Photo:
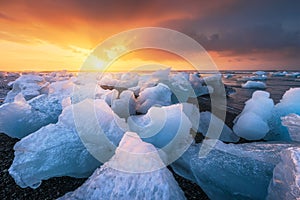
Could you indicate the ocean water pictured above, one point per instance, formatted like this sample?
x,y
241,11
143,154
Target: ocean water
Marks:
x,y
276,86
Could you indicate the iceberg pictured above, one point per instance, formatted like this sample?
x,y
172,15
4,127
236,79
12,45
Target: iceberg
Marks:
x,y
231,171
252,123
286,181
57,150
151,180
159,95
288,104
208,119
292,122
254,85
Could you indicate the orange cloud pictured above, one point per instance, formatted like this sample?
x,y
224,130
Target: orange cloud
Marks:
x,y
50,35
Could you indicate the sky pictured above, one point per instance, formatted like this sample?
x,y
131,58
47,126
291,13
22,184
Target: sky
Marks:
x,y
53,35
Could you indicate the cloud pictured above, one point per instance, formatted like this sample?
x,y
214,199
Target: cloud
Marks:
x,y
244,27
5,17
235,29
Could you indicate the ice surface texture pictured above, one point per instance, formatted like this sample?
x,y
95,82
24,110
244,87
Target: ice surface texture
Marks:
x,y
56,149
108,182
159,95
292,122
167,128
286,181
231,171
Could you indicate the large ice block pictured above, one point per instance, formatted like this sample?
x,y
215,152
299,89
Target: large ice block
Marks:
x,y
146,178
231,171
57,150
20,118
252,123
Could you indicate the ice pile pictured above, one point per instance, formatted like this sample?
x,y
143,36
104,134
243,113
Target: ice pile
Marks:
x,y
58,76
56,149
28,85
292,122
254,85
20,117
119,80
231,171
293,74
151,180
288,104
252,123
286,181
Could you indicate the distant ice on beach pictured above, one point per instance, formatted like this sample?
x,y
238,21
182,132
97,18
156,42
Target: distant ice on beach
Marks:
x,y
254,84
256,113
